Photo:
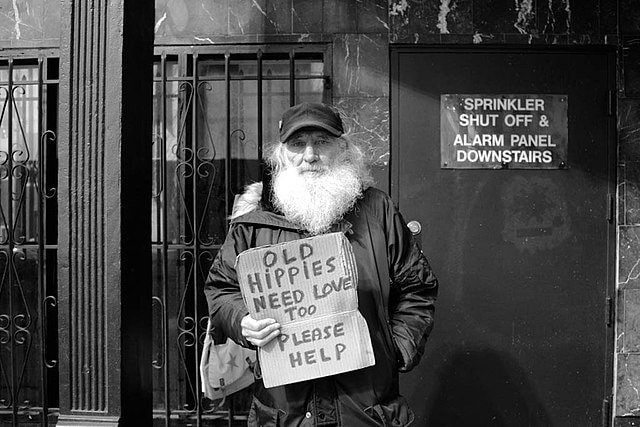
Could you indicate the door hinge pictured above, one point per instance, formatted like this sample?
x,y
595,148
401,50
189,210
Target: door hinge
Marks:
x,y
606,412
611,103
608,311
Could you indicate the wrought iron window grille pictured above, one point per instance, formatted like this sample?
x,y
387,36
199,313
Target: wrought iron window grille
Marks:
x,y
28,238
215,109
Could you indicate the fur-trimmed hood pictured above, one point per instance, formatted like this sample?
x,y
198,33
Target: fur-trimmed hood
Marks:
x,y
248,201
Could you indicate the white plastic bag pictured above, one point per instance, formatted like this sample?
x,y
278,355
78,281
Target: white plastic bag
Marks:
x,y
225,368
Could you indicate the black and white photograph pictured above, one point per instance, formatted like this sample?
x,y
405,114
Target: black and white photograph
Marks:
x,y
320,213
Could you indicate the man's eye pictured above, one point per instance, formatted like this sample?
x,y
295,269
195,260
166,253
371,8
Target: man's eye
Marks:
x,y
322,141
296,143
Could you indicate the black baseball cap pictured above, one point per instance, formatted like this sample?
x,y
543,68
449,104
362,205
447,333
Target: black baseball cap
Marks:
x,y
310,115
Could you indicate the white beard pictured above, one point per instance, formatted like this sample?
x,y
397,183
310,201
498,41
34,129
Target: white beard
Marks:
x,y
315,201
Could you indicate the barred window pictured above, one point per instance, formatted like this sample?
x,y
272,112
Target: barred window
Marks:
x,y
28,238
215,109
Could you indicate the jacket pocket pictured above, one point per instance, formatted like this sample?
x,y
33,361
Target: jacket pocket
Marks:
x,y
395,413
261,415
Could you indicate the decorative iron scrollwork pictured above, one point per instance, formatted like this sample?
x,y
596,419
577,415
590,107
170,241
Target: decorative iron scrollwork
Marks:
x,y
185,158
5,325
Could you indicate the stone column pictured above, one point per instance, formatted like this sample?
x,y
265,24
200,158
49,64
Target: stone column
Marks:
x,y
104,266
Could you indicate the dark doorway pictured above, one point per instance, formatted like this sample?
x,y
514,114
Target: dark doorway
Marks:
x,y
523,334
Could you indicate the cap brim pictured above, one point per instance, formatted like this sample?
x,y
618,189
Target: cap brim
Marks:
x,y
309,124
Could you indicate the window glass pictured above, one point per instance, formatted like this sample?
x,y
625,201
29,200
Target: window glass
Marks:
x,y
20,140
303,67
211,67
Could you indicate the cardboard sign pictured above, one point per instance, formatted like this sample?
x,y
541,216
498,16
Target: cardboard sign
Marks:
x,y
309,286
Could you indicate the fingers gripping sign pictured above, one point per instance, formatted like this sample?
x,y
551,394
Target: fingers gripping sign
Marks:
x,y
259,332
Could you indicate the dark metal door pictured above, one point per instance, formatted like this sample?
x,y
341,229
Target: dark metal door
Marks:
x,y
523,334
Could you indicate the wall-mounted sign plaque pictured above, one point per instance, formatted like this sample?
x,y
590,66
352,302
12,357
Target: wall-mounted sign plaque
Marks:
x,y
503,131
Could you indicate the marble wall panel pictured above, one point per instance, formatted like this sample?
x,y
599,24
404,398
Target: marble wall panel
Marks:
x,y
373,16
478,38
629,193
620,214
247,17
340,16
380,174
458,38
51,22
631,66
568,17
505,17
416,21
554,16
361,65
360,16
629,16
453,16
211,21
307,16
34,23
529,38
585,39
584,16
429,18
627,402
277,16
628,383
629,257
629,129
437,38
608,17
193,22
367,121
619,306
502,21
631,324
407,21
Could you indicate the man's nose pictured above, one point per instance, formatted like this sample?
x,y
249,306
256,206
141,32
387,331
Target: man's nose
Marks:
x,y
310,154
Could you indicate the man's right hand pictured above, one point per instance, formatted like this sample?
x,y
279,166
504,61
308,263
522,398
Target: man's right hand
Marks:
x,y
259,332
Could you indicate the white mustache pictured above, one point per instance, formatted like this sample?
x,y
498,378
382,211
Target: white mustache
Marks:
x,y
312,169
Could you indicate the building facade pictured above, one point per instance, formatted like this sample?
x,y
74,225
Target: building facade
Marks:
x,y
75,228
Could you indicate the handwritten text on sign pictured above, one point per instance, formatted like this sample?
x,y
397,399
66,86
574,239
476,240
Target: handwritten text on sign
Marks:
x,y
309,286
503,131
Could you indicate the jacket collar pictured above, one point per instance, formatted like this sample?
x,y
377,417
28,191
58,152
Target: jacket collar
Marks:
x,y
262,217
248,209
272,219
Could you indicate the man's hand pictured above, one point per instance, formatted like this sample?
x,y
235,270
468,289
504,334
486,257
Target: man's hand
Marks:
x,y
259,332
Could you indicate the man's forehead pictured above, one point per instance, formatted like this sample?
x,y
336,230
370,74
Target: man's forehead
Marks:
x,y
311,133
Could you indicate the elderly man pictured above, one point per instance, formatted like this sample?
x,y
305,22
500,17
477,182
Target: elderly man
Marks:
x,y
320,184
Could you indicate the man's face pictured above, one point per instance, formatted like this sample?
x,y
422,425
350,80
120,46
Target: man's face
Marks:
x,y
312,151
318,183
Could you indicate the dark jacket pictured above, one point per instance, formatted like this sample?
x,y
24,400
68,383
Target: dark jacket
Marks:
x,y
396,294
